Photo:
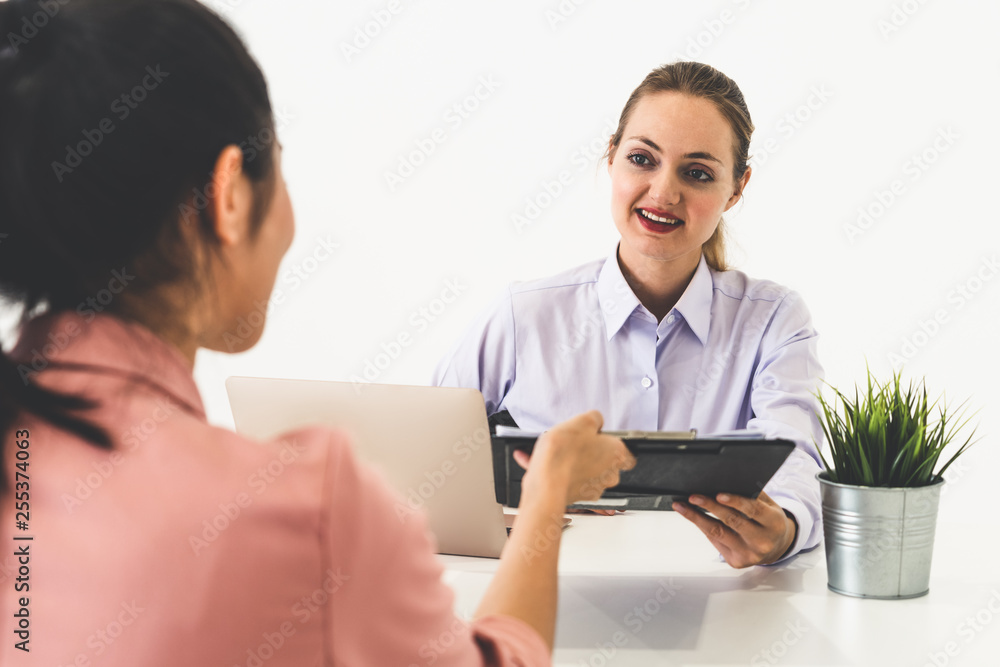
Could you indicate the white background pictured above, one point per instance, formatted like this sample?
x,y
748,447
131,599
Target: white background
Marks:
x,y
884,80
848,99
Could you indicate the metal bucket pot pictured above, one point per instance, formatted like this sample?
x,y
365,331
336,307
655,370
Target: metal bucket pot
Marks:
x,y
879,540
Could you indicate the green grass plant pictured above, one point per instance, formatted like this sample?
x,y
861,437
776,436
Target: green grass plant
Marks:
x,y
888,436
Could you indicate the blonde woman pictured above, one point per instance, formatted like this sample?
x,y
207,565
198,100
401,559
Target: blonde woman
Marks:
x,y
662,335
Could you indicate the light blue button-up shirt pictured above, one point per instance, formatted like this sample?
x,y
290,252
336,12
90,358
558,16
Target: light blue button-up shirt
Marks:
x,y
733,353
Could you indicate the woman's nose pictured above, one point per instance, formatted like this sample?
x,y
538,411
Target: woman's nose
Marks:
x,y
664,188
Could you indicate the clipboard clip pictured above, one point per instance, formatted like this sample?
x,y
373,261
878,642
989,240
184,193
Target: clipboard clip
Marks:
x,y
654,436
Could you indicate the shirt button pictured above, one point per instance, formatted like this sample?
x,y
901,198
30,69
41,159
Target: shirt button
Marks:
x,y
670,318
646,382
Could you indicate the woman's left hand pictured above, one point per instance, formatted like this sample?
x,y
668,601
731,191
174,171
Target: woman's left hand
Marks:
x,y
746,532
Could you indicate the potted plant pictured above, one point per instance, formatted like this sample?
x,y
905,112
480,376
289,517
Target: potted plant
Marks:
x,y
881,486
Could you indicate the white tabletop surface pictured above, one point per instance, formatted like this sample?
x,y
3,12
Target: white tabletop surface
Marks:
x,y
646,588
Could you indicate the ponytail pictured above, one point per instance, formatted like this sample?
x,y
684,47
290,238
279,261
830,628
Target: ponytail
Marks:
x,y
22,396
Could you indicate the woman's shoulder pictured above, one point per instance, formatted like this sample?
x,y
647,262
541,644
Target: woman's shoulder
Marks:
x,y
737,285
573,278
737,295
310,447
530,298
300,472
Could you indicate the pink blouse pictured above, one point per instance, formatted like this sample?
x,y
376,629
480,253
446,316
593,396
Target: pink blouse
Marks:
x,y
188,544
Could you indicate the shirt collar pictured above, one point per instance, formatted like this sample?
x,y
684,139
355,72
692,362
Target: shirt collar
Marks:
x,y
618,301
695,304
106,344
616,298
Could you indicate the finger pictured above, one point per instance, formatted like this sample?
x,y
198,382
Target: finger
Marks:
x,y
716,531
591,421
628,459
766,499
755,510
722,537
596,418
522,458
596,485
766,513
763,527
736,520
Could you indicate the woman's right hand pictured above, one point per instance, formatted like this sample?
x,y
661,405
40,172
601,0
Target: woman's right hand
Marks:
x,y
577,457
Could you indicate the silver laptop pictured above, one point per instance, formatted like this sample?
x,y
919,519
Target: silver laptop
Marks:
x,y
432,444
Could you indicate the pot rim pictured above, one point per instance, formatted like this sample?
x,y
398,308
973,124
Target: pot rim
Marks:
x,y
823,480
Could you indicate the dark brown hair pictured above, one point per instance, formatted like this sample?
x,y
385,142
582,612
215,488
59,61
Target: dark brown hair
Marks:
x,y
112,116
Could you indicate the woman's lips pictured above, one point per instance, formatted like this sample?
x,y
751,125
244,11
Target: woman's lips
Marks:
x,y
659,222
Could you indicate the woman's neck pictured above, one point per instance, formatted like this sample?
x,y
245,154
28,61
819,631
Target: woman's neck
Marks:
x,y
167,312
658,284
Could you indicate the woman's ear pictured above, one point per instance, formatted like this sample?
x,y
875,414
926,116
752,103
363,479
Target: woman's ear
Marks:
x,y
738,190
229,197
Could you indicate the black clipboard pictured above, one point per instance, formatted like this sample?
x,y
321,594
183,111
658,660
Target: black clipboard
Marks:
x,y
667,468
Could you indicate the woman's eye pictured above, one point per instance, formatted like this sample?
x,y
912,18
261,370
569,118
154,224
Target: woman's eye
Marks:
x,y
639,160
700,175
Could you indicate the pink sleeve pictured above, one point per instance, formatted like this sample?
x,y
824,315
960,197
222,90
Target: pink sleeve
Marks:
x,y
389,606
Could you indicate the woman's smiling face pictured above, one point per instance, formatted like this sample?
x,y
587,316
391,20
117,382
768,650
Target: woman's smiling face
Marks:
x,y
672,178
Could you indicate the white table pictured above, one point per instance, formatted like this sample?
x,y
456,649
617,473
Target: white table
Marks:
x,y
646,588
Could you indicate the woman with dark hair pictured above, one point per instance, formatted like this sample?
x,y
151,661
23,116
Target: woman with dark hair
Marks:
x,y
661,335
143,214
